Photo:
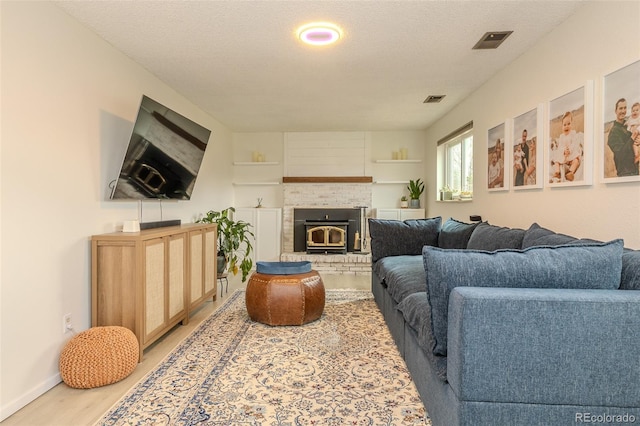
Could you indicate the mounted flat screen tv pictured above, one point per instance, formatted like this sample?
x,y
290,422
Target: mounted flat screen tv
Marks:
x,y
163,157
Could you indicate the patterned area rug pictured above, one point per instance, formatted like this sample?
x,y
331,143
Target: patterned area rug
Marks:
x,y
342,369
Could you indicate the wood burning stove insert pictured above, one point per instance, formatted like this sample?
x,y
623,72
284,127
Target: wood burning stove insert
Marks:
x,y
347,220
326,237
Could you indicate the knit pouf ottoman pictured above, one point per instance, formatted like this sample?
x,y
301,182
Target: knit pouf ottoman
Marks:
x,y
285,293
99,356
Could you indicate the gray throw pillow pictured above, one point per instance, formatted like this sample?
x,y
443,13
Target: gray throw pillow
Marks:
x,y
397,238
455,234
491,237
588,266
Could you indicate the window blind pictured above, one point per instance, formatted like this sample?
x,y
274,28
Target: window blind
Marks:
x,y
456,133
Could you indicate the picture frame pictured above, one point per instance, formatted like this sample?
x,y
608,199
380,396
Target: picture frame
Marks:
x,y
621,113
528,156
569,147
497,158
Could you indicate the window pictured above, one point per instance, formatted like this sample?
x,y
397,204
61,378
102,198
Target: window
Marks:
x,y
455,161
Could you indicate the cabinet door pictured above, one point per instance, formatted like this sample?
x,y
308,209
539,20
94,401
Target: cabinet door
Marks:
x,y
249,215
210,261
269,236
399,214
267,230
196,266
411,214
388,214
164,283
176,284
154,287
202,265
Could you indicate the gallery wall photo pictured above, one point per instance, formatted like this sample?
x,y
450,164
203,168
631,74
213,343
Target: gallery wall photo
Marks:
x,y
498,159
569,147
621,125
527,170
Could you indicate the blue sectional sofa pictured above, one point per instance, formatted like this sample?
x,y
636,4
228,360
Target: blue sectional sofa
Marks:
x,y
503,326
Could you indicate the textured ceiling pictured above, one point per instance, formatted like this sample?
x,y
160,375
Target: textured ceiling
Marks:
x,y
240,60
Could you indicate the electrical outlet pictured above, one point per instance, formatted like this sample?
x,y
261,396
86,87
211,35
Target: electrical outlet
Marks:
x,y
66,323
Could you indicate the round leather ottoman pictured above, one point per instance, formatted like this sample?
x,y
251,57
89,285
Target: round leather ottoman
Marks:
x,y
285,293
99,356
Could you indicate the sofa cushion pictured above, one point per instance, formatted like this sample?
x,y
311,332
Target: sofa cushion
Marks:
x,y
588,266
382,267
491,237
403,275
455,234
630,277
536,235
417,314
395,238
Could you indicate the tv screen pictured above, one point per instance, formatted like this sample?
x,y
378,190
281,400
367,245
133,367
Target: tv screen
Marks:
x,y
163,157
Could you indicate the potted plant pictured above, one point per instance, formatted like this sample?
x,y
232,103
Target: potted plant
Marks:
x,y
404,202
446,194
234,242
416,188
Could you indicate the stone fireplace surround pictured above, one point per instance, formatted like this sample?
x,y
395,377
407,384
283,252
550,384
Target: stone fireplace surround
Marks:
x,y
342,195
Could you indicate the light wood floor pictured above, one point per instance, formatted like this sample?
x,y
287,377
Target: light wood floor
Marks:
x,y
64,406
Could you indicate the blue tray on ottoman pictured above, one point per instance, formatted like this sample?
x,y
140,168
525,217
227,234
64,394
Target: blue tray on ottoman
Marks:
x,y
283,268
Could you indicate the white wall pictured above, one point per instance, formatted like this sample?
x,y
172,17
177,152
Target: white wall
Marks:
x,y
68,105
600,38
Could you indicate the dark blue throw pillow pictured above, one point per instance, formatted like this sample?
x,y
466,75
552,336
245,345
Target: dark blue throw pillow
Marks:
x,y
397,238
455,234
536,235
588,266
491,237
630,279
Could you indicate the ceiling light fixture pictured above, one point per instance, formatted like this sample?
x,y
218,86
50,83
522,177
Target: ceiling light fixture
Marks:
x,y
319,33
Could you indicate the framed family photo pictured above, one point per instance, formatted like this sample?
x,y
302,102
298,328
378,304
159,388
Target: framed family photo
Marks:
x,y
497,159
621,122
569,157
526,171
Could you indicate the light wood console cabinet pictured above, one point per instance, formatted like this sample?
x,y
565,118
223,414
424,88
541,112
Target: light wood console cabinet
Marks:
x,y
149,281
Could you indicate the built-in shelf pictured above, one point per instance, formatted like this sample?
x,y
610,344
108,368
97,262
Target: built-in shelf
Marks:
x,y
392,182
255,163
256,183
327,179
398,161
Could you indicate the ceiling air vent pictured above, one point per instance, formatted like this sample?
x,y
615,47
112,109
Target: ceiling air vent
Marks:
x,y
433,99
492,40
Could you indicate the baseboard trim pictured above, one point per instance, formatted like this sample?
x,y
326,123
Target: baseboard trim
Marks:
x,y
28,397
